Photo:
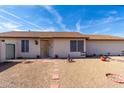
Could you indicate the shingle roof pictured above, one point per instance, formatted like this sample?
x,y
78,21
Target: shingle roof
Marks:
x,y
43,34
104,37
23,34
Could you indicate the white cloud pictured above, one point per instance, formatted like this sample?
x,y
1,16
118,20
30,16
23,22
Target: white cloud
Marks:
x,y
78,26
103,21
109,19
0,27
10,26
13,25
6,26
9,20
113,12
51,29
11,14
17,29
27,16
51,10
58,17
102,31
118,34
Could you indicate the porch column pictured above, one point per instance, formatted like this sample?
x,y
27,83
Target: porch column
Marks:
x,y
85,46
3,52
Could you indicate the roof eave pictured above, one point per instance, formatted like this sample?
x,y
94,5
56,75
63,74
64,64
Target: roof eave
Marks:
x,y
106,39
43,37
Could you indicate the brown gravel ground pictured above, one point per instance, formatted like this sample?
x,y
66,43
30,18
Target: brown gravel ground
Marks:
x,y
32,75
87,73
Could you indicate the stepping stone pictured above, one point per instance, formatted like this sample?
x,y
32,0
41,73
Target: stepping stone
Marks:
x,y
56,70
55,62
55,86
55,76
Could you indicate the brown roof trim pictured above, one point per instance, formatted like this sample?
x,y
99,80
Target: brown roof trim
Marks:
x,y
50,37
18,37
69,37
42,35
105,39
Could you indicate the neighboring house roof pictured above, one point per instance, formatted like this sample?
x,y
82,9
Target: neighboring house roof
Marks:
x,y
24,34
43,34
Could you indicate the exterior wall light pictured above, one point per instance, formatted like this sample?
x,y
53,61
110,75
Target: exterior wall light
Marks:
x,y
3,40
36,42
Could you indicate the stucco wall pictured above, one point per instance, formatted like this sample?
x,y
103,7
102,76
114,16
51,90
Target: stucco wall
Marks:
x,y
61,47
103,47
34,49
3,47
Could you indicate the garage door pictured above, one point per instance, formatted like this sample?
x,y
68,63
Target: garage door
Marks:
x,y
105,47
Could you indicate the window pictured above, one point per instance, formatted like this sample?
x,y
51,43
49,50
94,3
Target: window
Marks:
x,y
73,45
77,45
80,45
25,45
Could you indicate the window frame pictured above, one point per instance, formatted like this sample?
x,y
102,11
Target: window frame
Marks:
x,y
77,46
82,50
24,46
71,50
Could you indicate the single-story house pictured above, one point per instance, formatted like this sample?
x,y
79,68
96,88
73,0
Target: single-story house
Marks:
x,y
20,44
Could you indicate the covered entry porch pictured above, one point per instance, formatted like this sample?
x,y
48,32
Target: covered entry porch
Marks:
x,y
45,48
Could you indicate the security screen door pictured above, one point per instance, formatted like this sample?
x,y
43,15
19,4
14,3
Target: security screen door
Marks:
x,y
10,51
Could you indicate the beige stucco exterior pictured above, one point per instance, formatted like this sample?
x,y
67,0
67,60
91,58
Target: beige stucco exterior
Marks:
x,y
61,47
104,47
33,49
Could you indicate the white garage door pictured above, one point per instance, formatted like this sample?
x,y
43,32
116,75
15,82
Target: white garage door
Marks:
x,y
105,47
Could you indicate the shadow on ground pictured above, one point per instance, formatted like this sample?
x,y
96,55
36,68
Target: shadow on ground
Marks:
x,y
7,65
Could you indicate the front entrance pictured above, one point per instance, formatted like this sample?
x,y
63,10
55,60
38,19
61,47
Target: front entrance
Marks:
x,y
10,51
44,45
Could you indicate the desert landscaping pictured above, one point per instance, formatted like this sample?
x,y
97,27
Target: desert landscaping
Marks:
x,y
46,73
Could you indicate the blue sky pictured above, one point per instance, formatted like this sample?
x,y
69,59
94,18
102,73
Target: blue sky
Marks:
x,y
84,19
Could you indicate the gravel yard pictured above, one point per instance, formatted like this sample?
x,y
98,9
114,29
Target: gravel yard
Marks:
x,y
89,72
26,75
